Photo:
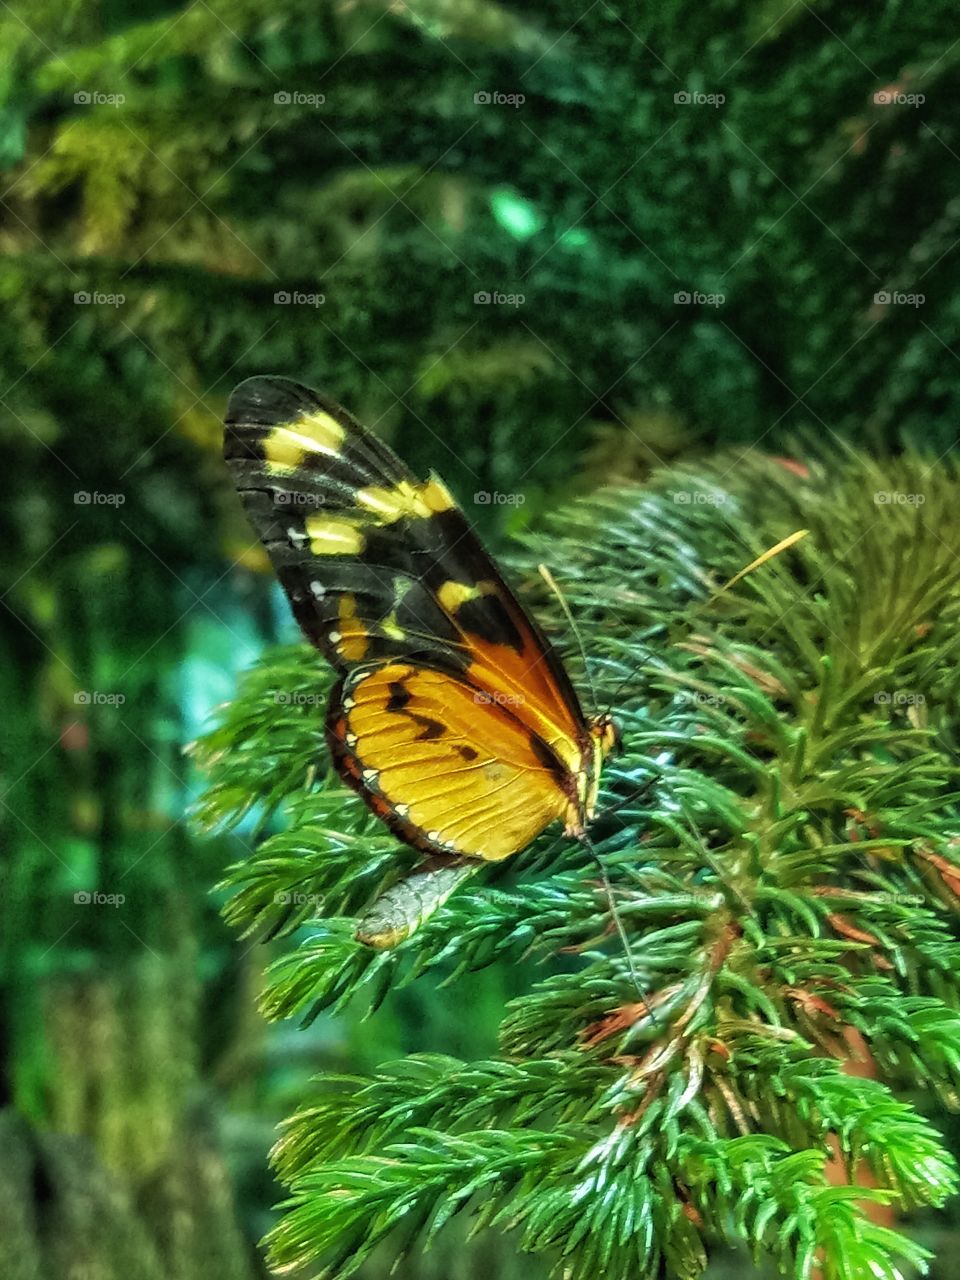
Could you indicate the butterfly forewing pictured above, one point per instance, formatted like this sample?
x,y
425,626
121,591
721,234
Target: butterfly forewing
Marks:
x,y
312,479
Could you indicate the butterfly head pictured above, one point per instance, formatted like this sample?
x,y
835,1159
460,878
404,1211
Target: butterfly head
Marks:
x,y
604,740
605,730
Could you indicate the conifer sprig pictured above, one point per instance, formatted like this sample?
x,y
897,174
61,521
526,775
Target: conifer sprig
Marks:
x,y
781,835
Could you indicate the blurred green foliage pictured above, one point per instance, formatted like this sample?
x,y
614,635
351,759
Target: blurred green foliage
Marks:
x,y
152,165
342,152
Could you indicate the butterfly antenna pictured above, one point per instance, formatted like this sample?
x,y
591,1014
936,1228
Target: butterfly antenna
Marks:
x,y
552,584
615,914
623,684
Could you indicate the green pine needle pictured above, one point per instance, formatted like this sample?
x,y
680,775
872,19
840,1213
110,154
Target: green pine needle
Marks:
x,y
782,837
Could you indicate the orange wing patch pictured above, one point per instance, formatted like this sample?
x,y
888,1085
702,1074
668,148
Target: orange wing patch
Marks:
x,y
512,661
447,760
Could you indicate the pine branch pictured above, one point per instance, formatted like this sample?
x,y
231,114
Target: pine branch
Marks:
x,y
781,835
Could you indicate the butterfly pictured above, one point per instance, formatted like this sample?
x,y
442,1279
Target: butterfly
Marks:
x,y
452,717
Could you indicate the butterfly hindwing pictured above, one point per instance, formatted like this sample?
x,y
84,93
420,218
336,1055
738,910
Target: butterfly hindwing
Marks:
x,y
450,769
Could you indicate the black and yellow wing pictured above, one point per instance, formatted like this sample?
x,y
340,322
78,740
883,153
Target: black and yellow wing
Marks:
x,y
453,718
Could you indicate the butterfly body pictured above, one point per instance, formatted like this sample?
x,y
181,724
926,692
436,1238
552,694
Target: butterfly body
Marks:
x,y
452,716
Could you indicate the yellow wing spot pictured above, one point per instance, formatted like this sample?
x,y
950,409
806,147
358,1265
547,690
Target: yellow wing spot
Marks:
x,y
325,432
354,641
453,594
391,628
437,496
388,504
333,536
406,499
287,447
282,451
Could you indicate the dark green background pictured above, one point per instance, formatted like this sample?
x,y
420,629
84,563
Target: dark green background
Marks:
x,y
788,165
